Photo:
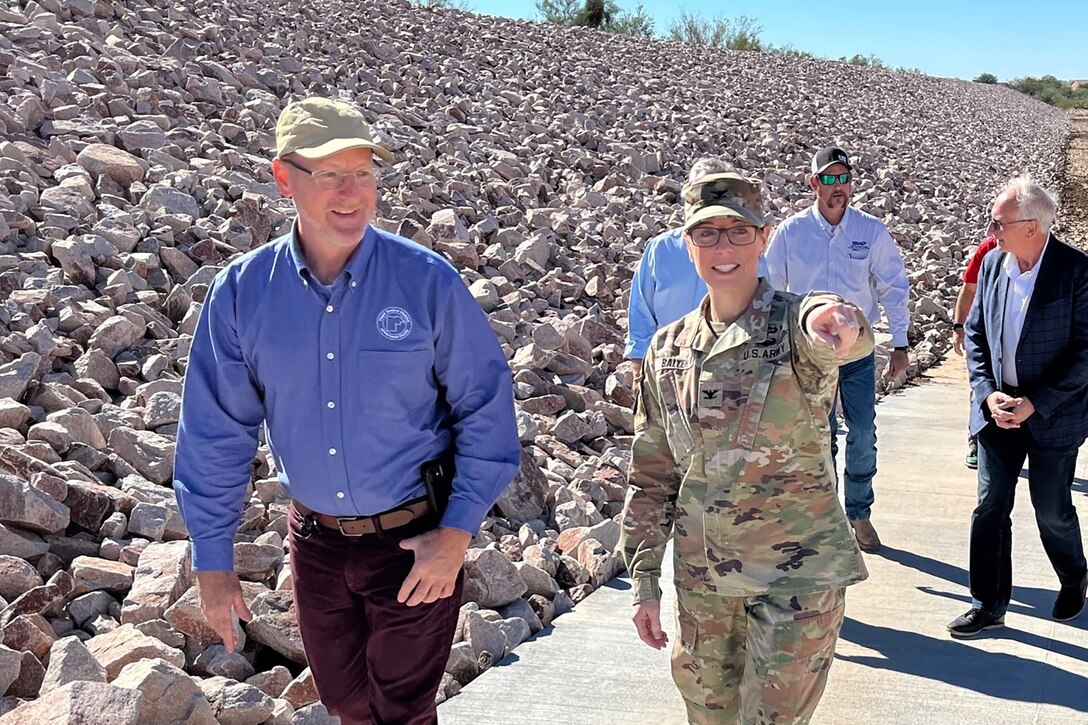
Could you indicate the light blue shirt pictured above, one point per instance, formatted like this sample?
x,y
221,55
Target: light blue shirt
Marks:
x,y
665,288
358,384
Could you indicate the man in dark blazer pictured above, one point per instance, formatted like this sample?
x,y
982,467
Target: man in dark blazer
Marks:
x,y
1027,358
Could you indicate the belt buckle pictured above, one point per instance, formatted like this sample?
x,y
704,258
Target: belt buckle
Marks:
x,y
340,520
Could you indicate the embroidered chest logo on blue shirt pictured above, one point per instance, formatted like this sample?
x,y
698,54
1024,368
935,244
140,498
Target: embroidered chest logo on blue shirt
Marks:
x,y
394,323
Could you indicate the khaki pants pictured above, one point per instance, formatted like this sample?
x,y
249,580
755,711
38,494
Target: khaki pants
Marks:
x,y
755,660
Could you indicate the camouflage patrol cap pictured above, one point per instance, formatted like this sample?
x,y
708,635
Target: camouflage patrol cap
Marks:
x,y
717,195
318,127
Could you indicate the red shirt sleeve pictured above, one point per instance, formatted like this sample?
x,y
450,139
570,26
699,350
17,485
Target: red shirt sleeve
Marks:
x,y
974,264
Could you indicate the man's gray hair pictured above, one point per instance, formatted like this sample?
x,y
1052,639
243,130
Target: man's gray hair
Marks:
x,y
1033,201
709,165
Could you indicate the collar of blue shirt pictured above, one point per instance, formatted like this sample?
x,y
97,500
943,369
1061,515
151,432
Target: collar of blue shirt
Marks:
x,y
354,268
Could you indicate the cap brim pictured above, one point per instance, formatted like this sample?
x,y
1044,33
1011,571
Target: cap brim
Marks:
x,y
711,212
342,144
827,166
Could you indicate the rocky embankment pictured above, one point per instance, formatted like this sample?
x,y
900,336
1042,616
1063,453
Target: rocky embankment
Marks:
x,y
1073,214
135,142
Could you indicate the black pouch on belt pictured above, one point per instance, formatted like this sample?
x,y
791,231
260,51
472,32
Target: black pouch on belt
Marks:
x,y
437,476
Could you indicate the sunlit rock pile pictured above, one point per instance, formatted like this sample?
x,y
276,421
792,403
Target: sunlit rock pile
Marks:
x,y
134,150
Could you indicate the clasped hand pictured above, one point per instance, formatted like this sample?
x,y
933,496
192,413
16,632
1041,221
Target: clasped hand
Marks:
x,y
1009,412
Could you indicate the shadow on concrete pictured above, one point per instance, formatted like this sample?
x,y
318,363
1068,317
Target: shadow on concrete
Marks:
x,y
933,567
1030,601
1057,646
995,674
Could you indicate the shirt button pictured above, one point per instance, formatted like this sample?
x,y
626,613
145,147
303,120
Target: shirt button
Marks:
x,y
339,494
353,284
331,405
330,356
328,309
332,451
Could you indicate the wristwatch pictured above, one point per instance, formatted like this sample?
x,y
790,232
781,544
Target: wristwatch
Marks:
x,y
957,325
901,348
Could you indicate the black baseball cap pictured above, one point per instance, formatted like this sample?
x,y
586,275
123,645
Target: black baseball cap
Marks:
x,y
829,156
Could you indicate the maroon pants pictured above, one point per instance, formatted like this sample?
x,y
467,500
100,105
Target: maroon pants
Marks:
x,y
373,659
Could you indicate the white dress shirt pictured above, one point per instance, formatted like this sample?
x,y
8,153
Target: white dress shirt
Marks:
x,y
1017,299
856,259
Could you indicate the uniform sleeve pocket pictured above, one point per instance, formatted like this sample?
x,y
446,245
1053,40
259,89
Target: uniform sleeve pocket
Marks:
x,y
392,383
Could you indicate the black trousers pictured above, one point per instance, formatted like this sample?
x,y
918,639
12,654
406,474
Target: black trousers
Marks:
x,y
1001,455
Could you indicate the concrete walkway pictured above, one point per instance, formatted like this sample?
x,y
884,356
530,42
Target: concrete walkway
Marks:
x,y
895,664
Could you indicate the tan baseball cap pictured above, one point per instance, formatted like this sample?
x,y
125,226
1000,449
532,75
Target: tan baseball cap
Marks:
x,y
318,127
717,195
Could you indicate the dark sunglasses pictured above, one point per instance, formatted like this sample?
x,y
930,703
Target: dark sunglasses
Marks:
x,y
830,179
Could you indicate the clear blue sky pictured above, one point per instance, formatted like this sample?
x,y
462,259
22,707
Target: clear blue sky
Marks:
x,y
941,37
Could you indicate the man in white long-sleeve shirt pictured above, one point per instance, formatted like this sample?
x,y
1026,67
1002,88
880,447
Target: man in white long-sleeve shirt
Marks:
x,y
836,248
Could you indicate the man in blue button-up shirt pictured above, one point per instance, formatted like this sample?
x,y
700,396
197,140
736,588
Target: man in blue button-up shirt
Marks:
x,y
365,357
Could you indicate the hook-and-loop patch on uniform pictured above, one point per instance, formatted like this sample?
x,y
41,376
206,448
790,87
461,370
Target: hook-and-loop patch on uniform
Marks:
x,y
711,395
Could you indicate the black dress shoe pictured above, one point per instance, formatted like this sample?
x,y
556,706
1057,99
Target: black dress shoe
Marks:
x,y
1070,602
974,622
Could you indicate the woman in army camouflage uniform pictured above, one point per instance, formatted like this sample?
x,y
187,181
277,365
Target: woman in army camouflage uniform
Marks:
x,y
731,458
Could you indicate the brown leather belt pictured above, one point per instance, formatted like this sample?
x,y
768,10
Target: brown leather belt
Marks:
x,y
363,525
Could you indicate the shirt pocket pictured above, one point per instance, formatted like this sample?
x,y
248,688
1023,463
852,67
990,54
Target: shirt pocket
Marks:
x,y
393,383
858,253
677,421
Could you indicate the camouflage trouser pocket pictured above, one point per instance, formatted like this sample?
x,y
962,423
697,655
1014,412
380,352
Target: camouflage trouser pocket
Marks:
x,y
792,652
687,627
708,655
808,641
